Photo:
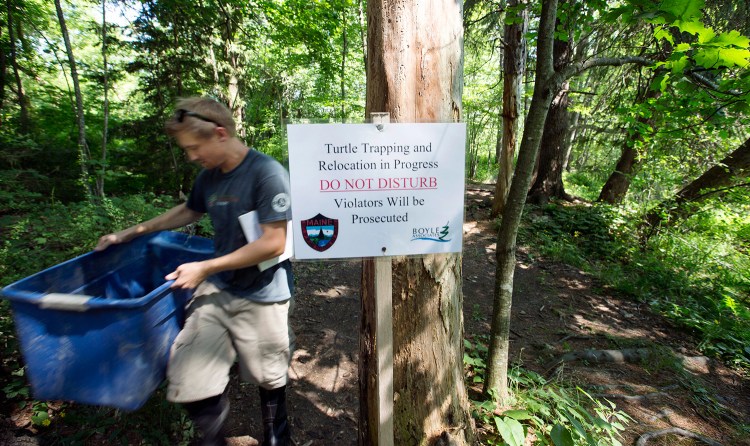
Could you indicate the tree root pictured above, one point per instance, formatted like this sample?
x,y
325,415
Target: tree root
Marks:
x,y
676,431
629,355
632,355
616,356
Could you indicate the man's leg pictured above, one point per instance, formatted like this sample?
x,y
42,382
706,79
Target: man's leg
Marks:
x,y
199,364
262,337
273,411
209,415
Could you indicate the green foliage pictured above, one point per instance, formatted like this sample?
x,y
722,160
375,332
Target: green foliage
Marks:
x,y
577,235
696,274
47,236
556,412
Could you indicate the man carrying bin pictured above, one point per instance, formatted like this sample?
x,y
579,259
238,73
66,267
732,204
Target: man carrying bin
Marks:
x,y
237,310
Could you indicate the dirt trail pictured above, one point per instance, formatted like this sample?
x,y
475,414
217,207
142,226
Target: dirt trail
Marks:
x,y
557,310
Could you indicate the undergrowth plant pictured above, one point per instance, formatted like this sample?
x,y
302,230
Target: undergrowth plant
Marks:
x,y
549,412
696,273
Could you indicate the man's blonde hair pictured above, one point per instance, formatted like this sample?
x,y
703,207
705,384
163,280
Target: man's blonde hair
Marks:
x,y
200,115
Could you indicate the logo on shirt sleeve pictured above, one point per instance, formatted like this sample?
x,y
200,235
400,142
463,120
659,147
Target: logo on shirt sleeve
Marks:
x,y
281,202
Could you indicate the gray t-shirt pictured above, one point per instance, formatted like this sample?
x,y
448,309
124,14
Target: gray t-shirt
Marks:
x,y
259,183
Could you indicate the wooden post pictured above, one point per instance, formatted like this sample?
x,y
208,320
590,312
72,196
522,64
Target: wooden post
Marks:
x,y
376,411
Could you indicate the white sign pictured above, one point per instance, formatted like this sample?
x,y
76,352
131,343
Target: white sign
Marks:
x,y
361,190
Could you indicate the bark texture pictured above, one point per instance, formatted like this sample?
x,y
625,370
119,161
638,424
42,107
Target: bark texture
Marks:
x,y
416,76
514,67
548,183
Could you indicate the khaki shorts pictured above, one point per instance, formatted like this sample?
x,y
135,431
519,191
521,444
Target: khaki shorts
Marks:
x,y
220,328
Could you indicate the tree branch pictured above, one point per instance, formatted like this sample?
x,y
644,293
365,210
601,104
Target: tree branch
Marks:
x,y
718,191
704,81
578,67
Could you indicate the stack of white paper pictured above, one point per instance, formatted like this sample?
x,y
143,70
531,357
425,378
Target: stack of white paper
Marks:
x,y
251,228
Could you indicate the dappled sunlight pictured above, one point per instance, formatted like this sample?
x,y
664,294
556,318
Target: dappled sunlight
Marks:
x,y
335,292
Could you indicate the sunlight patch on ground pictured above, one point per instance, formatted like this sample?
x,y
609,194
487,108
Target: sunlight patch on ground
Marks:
x,y
337,291
470,227
604,327
316,401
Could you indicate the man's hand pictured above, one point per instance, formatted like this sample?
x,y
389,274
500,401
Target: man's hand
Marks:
x,y
112,239
188,275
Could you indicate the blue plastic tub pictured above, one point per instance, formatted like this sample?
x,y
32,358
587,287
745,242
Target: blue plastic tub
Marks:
x,y
97,329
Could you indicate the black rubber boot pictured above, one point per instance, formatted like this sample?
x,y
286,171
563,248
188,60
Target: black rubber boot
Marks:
x,y
209,416
275,424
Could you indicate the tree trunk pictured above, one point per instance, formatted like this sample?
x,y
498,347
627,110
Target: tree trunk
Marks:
x,y
618,183
514,66
23,102
3,69
416,76
715,180
548,182
83,147
105,124
344,50
362,28
234,99
545,87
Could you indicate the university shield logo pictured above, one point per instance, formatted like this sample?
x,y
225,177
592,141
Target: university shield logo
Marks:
x,y
320,232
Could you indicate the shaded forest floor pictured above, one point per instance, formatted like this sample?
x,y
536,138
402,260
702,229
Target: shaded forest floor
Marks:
x,y
557,310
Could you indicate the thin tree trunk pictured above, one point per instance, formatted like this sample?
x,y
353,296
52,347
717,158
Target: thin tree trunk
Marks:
x,y
23,101
362,28
416,76
85,155
3,70
514,67
343,67
545,87
105,125
568,145
214,67
234,99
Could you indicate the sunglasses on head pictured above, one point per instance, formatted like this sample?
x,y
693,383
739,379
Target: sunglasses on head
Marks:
x,y
181,113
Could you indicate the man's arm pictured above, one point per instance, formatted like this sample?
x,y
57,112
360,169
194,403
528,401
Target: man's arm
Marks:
x,y
176,217
270,244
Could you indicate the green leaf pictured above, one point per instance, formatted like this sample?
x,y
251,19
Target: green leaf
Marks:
x,y
732,38
660,82
695,27
517,414
601,424
722,57
662,33
683,9
561,436
510,430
